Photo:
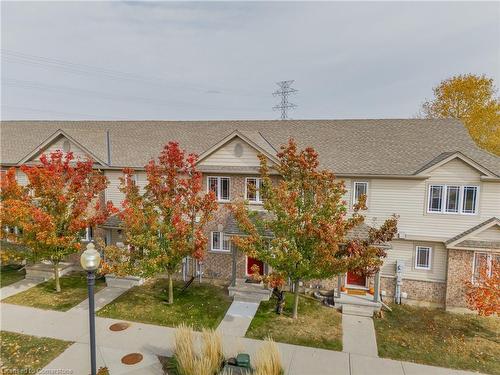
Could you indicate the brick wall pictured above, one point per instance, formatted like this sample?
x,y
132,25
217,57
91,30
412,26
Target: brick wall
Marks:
x,y
416,290
459,271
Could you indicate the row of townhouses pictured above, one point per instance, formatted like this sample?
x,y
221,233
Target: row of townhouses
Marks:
x,y
444,189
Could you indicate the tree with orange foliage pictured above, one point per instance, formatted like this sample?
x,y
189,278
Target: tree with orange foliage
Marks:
x,y
60,200
472,99
307,217
164,224
483,294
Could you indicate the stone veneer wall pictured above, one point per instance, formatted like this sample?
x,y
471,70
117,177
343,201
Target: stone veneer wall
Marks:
x,y
459,271
426,291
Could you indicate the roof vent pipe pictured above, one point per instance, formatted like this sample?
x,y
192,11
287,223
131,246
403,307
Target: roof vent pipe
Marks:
x,y
108,144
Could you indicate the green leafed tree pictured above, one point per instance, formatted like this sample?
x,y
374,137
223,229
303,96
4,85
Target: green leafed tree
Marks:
x,y
309,222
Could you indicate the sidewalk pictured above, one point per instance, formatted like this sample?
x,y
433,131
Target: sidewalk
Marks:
x,y
358,335
18,287
151,340
238,318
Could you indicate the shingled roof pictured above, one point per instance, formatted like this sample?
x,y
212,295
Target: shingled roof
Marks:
x,y
363,147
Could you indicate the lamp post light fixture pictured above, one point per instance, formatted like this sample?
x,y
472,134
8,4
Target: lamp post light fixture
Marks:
x,y
90,260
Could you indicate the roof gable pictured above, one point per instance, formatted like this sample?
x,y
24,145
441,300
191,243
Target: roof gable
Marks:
x,y
446,157
238,149
487,233
60,140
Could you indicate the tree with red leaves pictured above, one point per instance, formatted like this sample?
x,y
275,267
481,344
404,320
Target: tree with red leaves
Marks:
x,y
483,294
164,224
61,199
307,217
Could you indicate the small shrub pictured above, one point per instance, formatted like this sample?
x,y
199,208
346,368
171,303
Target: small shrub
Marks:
x,y
184,352
268,359
212,350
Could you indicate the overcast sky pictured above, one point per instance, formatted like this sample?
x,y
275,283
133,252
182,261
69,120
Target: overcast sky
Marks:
x,y
110,60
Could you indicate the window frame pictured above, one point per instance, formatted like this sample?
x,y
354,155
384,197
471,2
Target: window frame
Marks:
x,y
417,249
219,187
258,184
354,198
221,242
489,262
444,199
89,234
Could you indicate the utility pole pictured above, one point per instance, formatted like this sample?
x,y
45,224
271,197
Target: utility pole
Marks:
x,y
284,91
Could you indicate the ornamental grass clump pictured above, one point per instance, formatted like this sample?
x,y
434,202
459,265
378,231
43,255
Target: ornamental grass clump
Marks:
x,y
212,350
188,362
184,352
268,359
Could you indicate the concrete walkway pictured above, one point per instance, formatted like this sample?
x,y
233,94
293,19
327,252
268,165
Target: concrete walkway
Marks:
x,y
358,335
238,318
151,340
101,298
18,287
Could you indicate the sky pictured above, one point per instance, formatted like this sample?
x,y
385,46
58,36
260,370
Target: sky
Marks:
x,y
221,60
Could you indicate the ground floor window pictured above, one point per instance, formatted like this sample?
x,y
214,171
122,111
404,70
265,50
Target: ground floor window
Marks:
x,y
423,258
484,261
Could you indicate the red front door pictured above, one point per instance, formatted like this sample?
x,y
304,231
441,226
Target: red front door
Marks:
x,y
251,262
354,278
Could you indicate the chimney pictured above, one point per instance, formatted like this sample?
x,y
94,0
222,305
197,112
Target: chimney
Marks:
x,y
108,144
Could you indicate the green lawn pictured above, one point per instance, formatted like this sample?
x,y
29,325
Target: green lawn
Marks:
x,y
201,305
317,326
10,274
23,354
435,337
73,291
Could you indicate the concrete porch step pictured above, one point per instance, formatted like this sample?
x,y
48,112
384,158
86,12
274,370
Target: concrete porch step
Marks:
x,y
357,310
249,292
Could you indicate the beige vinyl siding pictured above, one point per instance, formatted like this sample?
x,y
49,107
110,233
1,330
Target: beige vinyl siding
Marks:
x,y
225,156
21,177
408,199
78,153
490,234
113,192
406,251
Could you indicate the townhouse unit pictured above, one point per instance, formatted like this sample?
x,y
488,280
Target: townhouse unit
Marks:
x,y
444,189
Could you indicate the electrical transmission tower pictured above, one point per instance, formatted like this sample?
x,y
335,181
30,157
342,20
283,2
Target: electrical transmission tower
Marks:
x,y
284,91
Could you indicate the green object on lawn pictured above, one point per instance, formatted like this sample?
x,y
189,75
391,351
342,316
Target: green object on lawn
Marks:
x,y
243,360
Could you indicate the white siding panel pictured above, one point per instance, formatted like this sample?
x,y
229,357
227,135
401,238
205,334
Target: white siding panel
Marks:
x,y
405,251
113,192
225,156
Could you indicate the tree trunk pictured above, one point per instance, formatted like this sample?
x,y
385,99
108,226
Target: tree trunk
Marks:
x,y
295,299
56,277
170,289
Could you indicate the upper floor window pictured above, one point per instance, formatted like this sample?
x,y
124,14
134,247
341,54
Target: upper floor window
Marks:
x,y
220,186
89,234
252,189
220,242
360,188
423,258
452,199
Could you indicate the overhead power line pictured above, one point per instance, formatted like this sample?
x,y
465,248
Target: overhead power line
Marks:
x,y
284,91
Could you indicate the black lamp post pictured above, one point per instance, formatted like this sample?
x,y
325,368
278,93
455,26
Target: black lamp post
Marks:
x,y
90,260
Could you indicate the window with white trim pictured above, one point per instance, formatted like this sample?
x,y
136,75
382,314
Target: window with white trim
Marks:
x,y
89,234
483,260
423,257
220,242
252,189
220,186
360,188
452,199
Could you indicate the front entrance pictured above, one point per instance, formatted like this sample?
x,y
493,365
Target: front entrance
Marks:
x,y
357,279
251,262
